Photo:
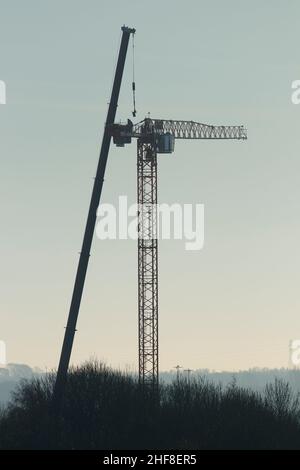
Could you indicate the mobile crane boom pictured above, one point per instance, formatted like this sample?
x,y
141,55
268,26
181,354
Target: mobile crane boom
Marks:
x,y
90,223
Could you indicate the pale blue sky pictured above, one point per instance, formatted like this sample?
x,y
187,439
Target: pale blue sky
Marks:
x,y
236,303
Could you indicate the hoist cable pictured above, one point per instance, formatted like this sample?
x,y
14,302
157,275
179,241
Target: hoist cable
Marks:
x,y
133,78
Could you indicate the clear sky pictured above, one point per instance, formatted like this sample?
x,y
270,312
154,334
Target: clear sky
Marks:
x,y
236,303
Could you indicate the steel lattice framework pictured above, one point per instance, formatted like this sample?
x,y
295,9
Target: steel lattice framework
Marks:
x,y
188,129
147,264
148,133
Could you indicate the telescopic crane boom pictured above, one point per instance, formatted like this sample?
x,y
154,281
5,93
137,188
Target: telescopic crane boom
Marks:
x,y
90,223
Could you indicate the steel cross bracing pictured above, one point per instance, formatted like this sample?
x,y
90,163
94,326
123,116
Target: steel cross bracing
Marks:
x,y
148,134
147,264
188,129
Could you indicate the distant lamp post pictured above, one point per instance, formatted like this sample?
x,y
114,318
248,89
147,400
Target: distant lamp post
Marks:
x,y
188,371
178,371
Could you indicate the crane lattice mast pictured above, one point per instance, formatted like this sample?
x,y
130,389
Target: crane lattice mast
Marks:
x,y
156,136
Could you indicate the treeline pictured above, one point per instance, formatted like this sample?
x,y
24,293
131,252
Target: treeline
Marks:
x,y
255,378
105,409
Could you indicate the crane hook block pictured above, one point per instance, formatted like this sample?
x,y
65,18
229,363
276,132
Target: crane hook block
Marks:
x,y
133,92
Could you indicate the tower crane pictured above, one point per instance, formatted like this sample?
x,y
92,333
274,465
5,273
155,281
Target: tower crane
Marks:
x,y
155,136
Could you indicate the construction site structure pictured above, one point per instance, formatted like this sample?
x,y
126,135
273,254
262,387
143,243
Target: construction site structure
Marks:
x,y
90,224
156,136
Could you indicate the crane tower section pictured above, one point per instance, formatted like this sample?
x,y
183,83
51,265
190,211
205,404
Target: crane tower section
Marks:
x,y
147,263
155,136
